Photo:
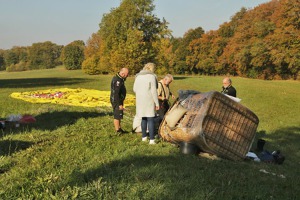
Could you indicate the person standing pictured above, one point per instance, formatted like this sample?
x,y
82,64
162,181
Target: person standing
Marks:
x,y
117,97
145,89
227,87
164,94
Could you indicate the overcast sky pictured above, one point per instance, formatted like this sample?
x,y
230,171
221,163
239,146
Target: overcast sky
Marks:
x,y
23,22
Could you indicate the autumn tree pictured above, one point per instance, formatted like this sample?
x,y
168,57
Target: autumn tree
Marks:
x,y
262,42
15,59
165,57
44,55
72,55
128,33
92,54
203,54
182,51
2,62
11,57
284,44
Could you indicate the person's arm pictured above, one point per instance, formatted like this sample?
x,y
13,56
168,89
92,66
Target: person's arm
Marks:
x,y
170,93
232,91
134,86
153,91
160,91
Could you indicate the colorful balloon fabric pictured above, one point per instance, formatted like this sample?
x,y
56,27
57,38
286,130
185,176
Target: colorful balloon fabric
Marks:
x,y
73,97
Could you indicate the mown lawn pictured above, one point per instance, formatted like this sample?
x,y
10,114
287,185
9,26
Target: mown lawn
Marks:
x,y
73,153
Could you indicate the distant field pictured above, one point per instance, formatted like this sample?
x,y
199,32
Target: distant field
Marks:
x,y
73,152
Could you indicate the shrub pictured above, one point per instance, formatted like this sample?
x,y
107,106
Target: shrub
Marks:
x,y
21,66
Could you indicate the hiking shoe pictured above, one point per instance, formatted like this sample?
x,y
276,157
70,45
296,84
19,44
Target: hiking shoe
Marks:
x,y
152,142
121,131
144,139
124,131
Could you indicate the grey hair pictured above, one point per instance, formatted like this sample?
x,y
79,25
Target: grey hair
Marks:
x,y
169,76
228,79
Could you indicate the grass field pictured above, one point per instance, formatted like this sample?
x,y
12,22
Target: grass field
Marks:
x,y
73,153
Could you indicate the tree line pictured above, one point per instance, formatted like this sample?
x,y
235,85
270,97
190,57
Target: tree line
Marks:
x,y
42,55
262,42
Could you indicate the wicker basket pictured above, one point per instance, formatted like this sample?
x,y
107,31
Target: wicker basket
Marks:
x,y
215,123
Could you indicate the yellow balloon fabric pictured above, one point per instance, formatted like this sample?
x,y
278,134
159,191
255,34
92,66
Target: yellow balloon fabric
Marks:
x,y
72,97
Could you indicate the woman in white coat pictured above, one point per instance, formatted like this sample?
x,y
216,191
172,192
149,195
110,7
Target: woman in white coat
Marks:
x,y
145,88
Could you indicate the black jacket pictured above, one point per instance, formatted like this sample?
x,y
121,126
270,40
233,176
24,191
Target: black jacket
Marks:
x,y
117,90
230,90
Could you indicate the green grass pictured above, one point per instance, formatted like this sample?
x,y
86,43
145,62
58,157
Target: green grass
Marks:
x,y
73,153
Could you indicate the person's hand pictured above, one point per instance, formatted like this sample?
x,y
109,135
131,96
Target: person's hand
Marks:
x,y
121,107
156,107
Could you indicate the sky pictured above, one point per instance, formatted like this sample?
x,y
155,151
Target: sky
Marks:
x,y
24,22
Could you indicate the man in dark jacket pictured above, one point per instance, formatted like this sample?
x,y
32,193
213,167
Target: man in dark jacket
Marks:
x,y
227,87
117,97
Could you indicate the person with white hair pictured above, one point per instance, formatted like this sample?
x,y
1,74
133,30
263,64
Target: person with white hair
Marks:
x,y
227,87
145,89
164,93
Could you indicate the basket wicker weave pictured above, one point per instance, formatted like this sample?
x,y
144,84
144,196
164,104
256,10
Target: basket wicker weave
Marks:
x,y
215,123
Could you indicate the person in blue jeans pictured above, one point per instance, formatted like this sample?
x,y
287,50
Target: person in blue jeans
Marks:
x,y
145,88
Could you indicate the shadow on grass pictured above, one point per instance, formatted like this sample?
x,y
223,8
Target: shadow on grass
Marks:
x,y
33,82
181,77
177,174
9,147
162,172
286,140
53,120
